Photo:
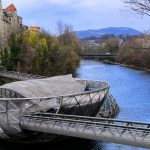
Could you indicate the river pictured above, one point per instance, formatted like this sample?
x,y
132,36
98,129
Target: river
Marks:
x,y
130,87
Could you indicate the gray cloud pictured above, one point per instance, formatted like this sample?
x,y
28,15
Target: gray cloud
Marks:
x,y
82,14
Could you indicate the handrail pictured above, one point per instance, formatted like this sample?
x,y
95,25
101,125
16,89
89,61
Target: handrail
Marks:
x,y
67,95
110,130
93,119
90,123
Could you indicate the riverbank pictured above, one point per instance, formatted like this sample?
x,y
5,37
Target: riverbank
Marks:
x,y
124,65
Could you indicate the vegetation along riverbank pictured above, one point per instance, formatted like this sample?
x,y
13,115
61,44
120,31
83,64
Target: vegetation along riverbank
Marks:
x,y
42,53
130,51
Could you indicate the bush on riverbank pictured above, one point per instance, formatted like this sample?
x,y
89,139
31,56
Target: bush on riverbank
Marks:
x,y
135,53
41,53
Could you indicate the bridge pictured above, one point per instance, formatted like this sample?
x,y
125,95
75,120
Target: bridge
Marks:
x,y
111,57
19,114
115,131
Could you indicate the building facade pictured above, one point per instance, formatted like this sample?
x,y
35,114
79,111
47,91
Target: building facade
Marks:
x,y
35,28
9,22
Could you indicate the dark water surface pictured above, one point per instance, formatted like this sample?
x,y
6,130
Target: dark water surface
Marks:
x,y
130,87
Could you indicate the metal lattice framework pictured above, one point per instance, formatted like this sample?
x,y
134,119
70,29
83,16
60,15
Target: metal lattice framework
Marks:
x,y
109,108
117,131
16,111
86,103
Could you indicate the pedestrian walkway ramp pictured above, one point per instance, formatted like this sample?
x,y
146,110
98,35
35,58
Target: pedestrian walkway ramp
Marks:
x,y
115,131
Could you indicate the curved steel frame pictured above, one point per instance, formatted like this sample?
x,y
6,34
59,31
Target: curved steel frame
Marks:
x,y
12,109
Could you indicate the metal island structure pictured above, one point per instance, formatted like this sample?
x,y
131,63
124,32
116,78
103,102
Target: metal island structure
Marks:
x,y
55,95
43,109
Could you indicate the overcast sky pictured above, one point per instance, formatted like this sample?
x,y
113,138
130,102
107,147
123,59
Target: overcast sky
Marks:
x,y
81,14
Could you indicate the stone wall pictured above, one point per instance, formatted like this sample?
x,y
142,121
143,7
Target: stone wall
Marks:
x,y
9,23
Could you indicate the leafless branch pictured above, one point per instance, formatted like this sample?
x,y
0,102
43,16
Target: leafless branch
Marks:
x,y
141,7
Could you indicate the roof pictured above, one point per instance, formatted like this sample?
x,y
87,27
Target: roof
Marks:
x,y
37,27
10,9
47,87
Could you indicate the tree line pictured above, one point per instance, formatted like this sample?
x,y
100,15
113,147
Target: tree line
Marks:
x,y
135,52
130,50
42,53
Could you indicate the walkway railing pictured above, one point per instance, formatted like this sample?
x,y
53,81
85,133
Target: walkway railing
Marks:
x,y
12,109
116,131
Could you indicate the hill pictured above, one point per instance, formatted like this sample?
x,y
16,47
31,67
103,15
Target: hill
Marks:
x,y
111,30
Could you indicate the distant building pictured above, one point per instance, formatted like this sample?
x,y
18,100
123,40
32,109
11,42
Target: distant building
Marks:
x,y
35,28
9,22
143,41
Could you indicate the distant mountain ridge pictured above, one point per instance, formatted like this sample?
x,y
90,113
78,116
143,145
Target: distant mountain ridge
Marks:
x,y
110,30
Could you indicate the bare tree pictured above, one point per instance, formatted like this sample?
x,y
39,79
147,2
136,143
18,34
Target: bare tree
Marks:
x,y
67,35
60,28
141,7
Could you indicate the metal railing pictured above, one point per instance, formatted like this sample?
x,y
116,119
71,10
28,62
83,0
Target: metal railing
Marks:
x,y
117,131
12,109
